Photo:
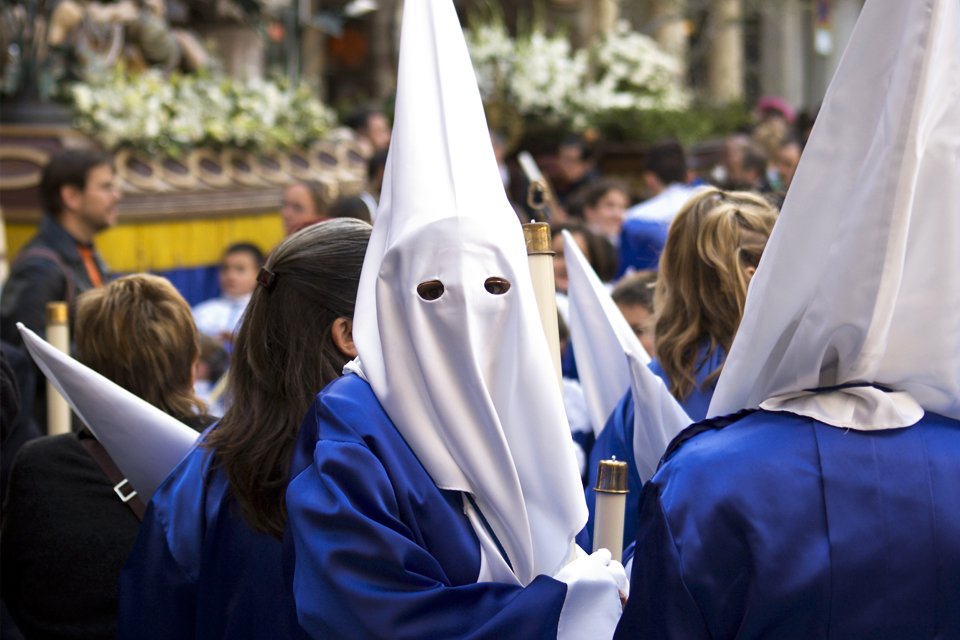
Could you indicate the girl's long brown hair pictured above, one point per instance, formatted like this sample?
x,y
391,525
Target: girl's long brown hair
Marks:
x,y
702,284
284,354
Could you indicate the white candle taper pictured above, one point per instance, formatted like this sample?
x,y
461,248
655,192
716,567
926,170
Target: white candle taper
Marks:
x,y
540,257
58,335
611,499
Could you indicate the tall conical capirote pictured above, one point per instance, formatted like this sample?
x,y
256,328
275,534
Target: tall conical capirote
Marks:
x,y
446,323
860,281
144,442
610,360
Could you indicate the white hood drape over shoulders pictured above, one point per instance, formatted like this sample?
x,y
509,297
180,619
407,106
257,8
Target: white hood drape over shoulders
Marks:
x,y
464,371
860,282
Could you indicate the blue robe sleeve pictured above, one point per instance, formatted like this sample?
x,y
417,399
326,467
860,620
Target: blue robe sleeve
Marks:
x,y
616,439
157,599
660,605
361,570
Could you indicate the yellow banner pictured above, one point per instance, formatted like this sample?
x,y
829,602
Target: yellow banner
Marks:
x,y
160,246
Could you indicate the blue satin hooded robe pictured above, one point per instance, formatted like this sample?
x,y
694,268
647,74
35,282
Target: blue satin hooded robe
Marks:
x,y
198,570
379,551
779,526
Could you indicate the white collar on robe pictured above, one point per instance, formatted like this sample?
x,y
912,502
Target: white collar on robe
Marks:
x,y
860,281
467,378
144,442
610,359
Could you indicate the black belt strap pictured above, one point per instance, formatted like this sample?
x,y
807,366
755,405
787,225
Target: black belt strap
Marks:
x,y
121,486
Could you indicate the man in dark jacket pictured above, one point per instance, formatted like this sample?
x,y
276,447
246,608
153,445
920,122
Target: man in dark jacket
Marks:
x,y
80,199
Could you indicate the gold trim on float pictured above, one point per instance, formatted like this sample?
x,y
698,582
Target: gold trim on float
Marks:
x,y
26,154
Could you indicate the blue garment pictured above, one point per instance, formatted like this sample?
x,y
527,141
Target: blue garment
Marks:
x,y
379,550
616,440
641,243
779,526
198,570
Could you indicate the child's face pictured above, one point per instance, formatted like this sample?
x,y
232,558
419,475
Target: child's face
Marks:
x,y
606,217
238,274
641,321
559,262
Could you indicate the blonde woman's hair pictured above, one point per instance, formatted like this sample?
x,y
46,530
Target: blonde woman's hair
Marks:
x,y
702,284
138,332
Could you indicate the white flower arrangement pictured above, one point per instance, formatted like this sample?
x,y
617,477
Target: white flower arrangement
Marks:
x,y
542,76
153,112
547,76
632,73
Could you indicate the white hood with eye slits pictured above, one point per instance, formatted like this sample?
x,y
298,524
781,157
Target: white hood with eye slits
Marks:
x,y
462,367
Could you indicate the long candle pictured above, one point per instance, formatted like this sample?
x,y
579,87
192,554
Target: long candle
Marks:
x,y
540,258
611,492
58,335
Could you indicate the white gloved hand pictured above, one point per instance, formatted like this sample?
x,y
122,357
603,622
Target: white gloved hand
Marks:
x,y
592,606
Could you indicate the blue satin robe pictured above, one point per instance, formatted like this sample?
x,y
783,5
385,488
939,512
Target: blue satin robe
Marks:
x,y
616,440
779,526
379,550
198,571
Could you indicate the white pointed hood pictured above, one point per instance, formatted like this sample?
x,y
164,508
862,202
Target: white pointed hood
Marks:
x,y
610,359
144,442
860,281
467,377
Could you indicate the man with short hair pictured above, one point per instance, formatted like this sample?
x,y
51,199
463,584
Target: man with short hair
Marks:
x,y
665,179
786,161
80,199
576,168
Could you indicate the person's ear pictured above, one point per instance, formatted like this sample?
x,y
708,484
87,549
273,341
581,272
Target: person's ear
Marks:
x,y
342,334
749,271
71,197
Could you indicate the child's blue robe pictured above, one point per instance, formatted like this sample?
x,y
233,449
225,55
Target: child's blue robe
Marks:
x,y
379,550
197,570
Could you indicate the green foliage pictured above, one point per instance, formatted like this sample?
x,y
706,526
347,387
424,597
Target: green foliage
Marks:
x,y
699,122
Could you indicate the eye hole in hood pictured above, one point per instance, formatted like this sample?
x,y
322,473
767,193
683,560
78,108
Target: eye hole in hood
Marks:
x,y
497,286
430,290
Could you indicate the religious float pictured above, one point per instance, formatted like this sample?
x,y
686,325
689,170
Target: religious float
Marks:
x,y
201,157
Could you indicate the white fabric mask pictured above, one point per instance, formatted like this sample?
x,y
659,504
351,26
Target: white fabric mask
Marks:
x,y
860,282
466,377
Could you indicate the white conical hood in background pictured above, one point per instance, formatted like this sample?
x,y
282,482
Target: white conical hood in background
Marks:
x,y
601,337
144,442
860,282
466,377
610,360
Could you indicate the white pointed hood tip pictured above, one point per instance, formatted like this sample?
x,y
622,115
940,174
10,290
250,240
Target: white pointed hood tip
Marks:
x,y
610,360
461,365
860,282
144,442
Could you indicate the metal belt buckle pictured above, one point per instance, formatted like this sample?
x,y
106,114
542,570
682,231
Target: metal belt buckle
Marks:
x,y
125,491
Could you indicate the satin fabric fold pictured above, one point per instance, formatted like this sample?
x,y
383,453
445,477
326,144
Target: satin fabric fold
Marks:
x,y
381,551
780,526
197,570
